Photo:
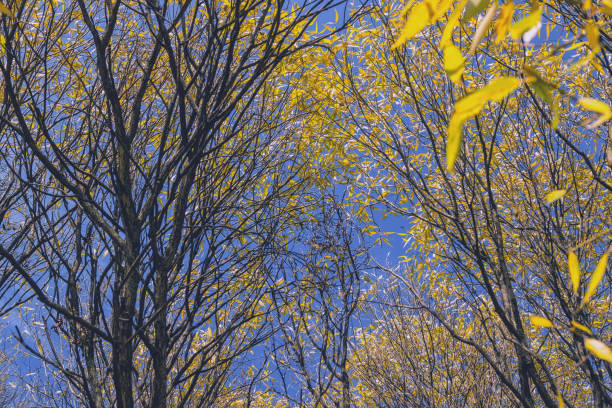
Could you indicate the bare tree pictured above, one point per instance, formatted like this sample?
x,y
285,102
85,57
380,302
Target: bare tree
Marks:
x,y
318,307
148,152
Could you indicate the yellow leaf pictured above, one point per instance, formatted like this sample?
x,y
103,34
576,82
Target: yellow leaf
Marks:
x,y
596,278
503,22
599,349
453,62
406,9
423,14
581,327
469,106
542,89
587,5
574,270
453,142
592,33
483,27
442,7
595,105
522,26
554,196
538,321
420,17
598,107
556,115
451,24
606,7
6,10
495,91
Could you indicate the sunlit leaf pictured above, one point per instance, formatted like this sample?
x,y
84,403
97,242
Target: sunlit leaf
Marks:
x,y
587,5
421,15
469,106
453,62
581,327
606,7
538,321
574,270
39,346
417,20
495,91
592,33
503,21
453,20
453,142
599,349
522,26
554,196
596,106
560,399
596,278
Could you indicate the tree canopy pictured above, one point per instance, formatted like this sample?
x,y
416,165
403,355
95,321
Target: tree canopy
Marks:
x,y
262,203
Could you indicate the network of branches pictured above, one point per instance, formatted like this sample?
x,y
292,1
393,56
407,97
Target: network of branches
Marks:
x,y
310,203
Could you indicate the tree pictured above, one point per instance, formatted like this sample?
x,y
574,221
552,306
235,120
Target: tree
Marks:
x,y
317,306
192,182
148,145
497,189
408,359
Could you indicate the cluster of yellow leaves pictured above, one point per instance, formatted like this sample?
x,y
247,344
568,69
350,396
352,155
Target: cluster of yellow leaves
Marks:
x,y
470,106
408,360
381,122
502,20
424,13
598,348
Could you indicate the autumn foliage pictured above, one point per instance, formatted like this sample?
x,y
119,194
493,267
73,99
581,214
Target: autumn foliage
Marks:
x,y
261,203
